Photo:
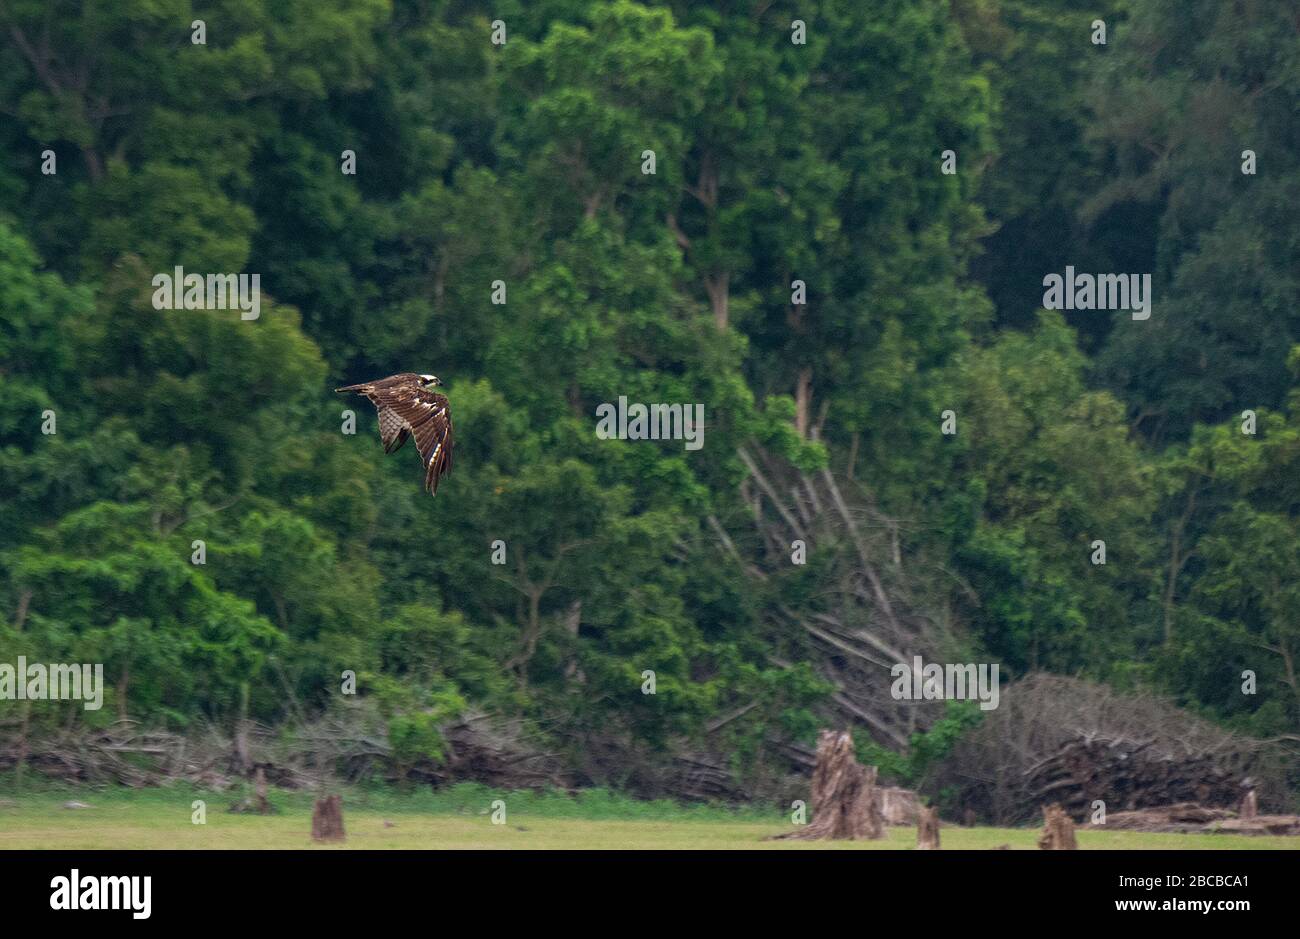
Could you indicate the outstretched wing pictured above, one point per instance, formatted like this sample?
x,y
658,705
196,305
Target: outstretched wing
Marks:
x,y
428,418
409,410
406,409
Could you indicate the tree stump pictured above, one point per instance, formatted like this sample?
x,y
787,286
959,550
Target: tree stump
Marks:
x,y
844,798
1249,805
259,788
1058,830
927,829
327,819
897,806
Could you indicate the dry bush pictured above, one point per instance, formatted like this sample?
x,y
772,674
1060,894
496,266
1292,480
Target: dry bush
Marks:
x,y
1070,741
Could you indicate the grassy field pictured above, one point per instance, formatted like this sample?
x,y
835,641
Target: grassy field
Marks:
x,y
460,818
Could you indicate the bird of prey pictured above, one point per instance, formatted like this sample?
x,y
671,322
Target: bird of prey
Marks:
x,y
407,406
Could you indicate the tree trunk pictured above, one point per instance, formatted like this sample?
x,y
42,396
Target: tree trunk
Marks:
x,y
716,285
327,819
1058,830
1176,562
263,805
927,829
844,798
20,765
572,623
241,760
803,402
532,632
123,684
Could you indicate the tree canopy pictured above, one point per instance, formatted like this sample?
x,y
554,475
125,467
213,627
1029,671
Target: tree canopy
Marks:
x,y
833,240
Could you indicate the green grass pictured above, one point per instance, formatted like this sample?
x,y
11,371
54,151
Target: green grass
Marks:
x,y
460,818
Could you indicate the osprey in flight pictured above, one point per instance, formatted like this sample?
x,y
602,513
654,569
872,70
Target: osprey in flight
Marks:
x,y
407,406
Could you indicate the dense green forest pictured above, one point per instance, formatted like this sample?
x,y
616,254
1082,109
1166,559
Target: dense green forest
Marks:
x,y
465,189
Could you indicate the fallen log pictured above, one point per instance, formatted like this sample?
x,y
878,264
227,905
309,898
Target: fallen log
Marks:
x,y
1181,816
1186,817
1259,825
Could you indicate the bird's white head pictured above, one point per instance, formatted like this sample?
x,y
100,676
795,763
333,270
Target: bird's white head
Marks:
x,y
430,381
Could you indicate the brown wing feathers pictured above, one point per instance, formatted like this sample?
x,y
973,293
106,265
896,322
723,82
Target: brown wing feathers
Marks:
x,y
408,409
427,416
392,430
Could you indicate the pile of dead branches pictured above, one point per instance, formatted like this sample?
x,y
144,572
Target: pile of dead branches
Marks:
x,y
343,745
125,753
1064,740
866,616
700,777
495,752
1125,773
